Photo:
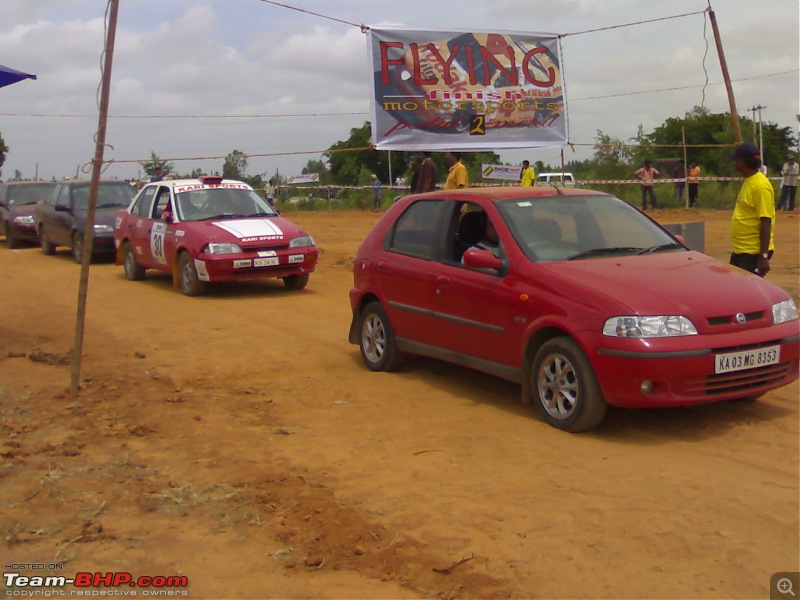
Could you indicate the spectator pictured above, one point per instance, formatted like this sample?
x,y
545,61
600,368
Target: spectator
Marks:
x,y
457,177
269,192
693,180
527,176
752,229
428,174
158,175
376,193
646,175
789,172
416,171
679,174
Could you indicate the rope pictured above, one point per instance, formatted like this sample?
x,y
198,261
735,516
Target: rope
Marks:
x,y
700,12
362,27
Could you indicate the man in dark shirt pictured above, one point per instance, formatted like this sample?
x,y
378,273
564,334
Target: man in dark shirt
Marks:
x,y
427,174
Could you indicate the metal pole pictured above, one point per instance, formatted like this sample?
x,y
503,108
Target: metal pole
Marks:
x,y
391,181
97,165
737,132
685,170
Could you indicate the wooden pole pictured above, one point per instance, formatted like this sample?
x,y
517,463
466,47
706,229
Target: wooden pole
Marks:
x,y
97,166
685,170
737,132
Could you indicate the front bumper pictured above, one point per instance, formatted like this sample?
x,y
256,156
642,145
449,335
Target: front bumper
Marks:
x,y
249,265
667,375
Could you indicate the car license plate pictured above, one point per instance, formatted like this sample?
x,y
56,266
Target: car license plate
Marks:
x,y
750,359
266,262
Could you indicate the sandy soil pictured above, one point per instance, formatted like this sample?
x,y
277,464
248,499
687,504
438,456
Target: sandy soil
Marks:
x,y
236,439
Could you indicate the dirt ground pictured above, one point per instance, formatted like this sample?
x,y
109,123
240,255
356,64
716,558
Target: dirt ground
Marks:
x,y
237,440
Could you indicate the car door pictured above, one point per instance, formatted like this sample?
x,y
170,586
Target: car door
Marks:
x,y
61,219
473,306
140,225
405,271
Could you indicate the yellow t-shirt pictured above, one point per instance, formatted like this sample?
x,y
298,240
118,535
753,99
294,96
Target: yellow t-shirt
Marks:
x,y
528,177
457,177
756,200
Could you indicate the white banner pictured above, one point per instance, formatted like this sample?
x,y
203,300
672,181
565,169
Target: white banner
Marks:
x,y
500,172
444,90
307,178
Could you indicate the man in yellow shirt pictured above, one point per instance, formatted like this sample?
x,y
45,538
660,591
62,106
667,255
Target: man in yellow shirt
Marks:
x,y
752,224
457,177
527,176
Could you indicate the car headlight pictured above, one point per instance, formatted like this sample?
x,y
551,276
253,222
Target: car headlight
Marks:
x,y
24,220
303,240
648,327
223,248
103,229
784,311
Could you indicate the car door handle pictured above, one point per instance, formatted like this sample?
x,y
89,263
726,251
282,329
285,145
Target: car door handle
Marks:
x,y
383,266
442,280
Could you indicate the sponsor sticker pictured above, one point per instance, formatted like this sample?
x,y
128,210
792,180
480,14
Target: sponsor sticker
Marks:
x,y
202,272
242,264
296,258
266,253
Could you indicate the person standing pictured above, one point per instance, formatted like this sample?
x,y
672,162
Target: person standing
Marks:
x,y
752,223
416,168
376,193
789,172
428,174
158,175
457,177
679,175
269,192
693,181
646,175
527,176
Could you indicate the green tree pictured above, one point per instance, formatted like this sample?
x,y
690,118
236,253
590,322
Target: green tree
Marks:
x,y
3,150
235,165
150,166
353,160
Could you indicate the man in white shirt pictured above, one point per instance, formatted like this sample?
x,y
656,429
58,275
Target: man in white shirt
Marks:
x,y
789,172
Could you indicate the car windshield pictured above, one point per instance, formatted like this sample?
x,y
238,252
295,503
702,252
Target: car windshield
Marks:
x,y
110,194
560,228
221,203
28,193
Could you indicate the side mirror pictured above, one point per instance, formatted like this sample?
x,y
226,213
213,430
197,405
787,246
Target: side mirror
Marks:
x,y
481,259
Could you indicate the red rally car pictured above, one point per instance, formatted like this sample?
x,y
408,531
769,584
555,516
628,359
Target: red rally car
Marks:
x,y
210,230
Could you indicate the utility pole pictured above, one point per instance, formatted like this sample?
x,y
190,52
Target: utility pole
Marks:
x,y
97,167
737,132
760,127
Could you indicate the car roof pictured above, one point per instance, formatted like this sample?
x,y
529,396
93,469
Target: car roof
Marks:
x,y
511,192
182,182
15,183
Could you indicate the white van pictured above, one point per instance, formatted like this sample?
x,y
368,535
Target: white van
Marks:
x,y
565,179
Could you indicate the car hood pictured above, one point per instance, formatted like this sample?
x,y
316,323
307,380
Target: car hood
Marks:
x,y
21,210
105,215
672,283
272,230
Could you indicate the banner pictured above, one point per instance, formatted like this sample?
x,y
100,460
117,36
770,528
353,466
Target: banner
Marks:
x,y
307,178
500,172
441,90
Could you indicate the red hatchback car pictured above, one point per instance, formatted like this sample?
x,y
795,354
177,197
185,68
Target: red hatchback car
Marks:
x,y
578,296
210,230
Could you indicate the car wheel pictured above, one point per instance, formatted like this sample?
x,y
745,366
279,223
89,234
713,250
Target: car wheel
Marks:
x,y
188,281
377,342
133,270
296,282
77,247
565,388
11,241
48,249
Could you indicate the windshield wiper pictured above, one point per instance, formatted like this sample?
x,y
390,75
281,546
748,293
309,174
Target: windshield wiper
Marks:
x,y
261,214
599,251
112,205
660,247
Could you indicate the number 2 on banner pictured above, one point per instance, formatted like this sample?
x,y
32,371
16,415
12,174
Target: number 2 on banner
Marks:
x,y
477,125
157,242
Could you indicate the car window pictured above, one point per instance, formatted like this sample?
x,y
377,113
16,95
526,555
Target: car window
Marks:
x,y
162,198
141,207
62,198
414,232
471,229
27,193
114,194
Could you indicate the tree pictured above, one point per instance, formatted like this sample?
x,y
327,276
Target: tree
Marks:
x,y
235,165
150,166
354,159
3,150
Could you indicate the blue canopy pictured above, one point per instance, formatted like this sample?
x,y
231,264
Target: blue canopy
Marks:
x,y
9,76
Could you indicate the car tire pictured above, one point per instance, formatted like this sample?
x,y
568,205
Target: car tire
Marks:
x,y
188,281
376,340
133,270
296,282
564,387
77,247
48,249
11,241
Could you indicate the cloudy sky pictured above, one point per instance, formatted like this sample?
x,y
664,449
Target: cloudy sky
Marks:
x,y
200,78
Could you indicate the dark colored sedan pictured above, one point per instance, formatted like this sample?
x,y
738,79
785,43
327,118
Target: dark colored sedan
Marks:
x,y
61,217
17,202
